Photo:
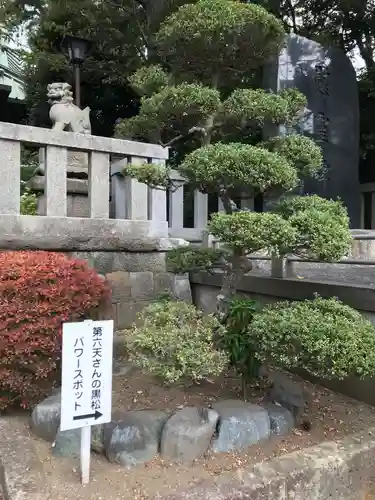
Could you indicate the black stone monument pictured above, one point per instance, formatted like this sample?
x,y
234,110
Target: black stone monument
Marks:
x,y
328,80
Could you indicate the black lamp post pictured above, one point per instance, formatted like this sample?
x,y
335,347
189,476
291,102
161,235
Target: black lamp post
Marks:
x,y
77,49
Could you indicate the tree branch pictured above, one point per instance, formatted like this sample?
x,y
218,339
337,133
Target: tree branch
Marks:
x,y
143,34
227,202
292,13
366,51
191,131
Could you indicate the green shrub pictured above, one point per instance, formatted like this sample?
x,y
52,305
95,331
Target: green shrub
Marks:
x,y
154,174
29,203
175,341
236,165
234,339
39,291
322,336
187,259
149,80
321,226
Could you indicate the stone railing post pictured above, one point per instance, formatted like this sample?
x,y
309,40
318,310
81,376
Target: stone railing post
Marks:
x,y
289,268
200,210
136,195
157,200
99,185
10,153
277,267
118,190
207,240
176,202
56,161
282,267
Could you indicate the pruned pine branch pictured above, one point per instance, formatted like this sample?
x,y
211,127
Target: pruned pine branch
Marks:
x,y
191,131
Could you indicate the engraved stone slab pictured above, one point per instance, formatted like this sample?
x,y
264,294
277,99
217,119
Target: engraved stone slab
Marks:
x,y
327,78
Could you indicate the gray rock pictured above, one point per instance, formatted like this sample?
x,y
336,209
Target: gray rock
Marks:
x,y
188,433
263,371
134,437
97,438
45,418
122,367
241,425
281,420
67,444
288,393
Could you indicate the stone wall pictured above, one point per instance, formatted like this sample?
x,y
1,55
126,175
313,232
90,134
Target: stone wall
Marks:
x,y
205,288
136,280
132,291
131,254
106,262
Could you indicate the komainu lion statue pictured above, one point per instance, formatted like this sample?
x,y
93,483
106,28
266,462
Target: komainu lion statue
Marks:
x,y
64,114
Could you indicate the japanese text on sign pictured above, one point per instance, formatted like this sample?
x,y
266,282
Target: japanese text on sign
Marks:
x,y
86,392
97,351
79,346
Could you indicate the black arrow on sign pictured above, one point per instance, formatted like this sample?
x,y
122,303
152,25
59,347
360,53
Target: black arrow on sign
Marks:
x,y
95,415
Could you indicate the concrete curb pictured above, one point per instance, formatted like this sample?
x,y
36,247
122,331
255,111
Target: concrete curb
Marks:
x,y
342,470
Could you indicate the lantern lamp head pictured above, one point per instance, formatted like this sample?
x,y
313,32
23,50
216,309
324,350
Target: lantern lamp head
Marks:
x,y
77,48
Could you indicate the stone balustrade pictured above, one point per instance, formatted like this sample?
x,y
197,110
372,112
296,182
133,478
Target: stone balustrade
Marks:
x,y
140,205
141,225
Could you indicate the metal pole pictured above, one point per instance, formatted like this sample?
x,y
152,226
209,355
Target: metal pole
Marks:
x,y
77,84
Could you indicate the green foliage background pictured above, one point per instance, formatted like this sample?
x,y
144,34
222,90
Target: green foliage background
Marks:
x,y
121,28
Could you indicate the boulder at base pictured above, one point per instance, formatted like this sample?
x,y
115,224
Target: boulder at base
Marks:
x,y
133,437
97,438
281,420
45,418
67,444
288,393
188,433
241,425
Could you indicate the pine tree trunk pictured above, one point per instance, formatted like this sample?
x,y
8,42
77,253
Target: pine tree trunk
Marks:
x,y
238,265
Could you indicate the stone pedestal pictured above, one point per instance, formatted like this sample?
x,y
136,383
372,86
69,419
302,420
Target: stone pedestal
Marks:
x,y
77,196
77,184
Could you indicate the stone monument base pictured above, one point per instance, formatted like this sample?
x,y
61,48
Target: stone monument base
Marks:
x,y
77,196
77,186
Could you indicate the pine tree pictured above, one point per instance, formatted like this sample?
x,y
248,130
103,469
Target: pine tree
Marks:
x,y
210,50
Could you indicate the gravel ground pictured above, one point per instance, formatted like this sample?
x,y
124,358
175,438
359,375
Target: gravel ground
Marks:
x,y
331,415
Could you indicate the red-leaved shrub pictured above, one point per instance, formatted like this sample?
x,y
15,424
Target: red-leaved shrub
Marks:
x,y
38,292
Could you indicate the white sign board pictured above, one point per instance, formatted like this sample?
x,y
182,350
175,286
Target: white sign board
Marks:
x,y
86,380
